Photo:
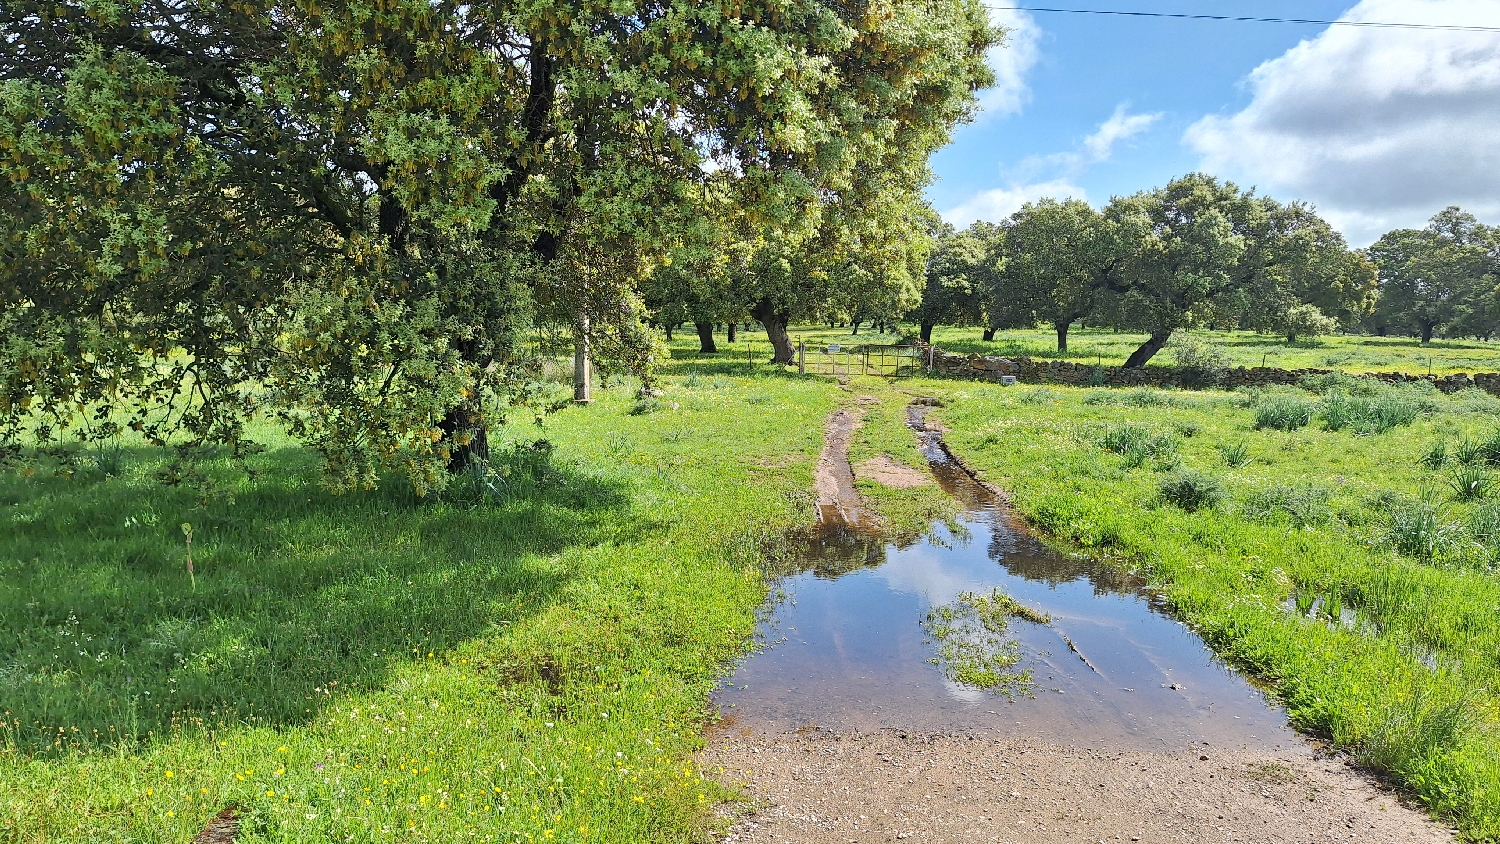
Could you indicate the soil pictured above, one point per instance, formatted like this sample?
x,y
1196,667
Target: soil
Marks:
x,y
833,483
887,471
818,787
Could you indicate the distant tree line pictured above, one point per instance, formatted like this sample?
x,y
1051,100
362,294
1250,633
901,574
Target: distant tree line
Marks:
x,y
1201,252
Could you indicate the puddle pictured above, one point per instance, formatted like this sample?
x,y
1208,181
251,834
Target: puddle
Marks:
x,y
845,649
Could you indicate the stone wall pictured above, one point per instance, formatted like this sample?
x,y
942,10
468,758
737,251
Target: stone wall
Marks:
x,y
1030,371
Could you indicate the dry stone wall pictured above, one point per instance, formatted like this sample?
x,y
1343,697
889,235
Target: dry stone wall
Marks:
x,y
1032,371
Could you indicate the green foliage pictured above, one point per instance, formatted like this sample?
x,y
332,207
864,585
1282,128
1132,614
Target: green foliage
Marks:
x,y
1471,482
1192,491
1370,414
1235,455
973,648
1304,321
1436,457
1299,506
1282,411
1439,278
1201,364
359,221
1420,529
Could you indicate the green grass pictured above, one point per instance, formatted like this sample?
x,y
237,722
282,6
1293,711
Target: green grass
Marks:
x,y
1404,674
1348,353
528,664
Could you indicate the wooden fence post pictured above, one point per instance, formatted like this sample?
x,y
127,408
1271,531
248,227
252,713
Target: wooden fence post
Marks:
x,y
801,357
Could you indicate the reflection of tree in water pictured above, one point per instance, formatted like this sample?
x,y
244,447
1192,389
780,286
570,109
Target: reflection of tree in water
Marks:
x,y
1024,555
835,553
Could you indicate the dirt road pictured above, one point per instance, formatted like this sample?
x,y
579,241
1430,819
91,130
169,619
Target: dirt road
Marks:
x,y
818,788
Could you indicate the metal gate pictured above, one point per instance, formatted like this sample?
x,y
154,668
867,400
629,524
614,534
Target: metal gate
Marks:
x,y
840,360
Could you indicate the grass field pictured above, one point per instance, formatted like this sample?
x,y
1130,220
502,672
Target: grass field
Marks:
x,y
1348,353
1354,570
529,659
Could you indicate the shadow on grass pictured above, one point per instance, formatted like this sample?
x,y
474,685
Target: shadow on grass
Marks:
x,y
299,595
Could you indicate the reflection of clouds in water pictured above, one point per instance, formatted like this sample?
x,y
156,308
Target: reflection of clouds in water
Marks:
x,y
966,694
929,572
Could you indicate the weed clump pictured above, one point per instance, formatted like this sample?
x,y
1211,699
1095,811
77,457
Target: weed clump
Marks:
x,y
973,648
1299,505
1436,456
1283,412
1418,529
1137,445
1370,414
1235,454
1192,490
1471,482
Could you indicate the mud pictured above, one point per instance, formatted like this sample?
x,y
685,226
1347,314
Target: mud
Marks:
x,y
833,483
817,787
888,471
843,730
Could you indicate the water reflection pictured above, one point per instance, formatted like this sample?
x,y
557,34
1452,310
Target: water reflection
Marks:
x,y
846,650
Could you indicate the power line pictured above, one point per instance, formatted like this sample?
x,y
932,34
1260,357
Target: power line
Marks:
x,y
1243,19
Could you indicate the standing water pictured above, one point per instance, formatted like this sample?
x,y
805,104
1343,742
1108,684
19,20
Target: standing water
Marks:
x,y
846,649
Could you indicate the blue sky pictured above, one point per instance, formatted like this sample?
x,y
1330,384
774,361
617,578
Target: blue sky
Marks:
x,y
1378,128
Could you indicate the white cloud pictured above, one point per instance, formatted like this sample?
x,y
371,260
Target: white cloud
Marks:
x,y
1011,62
1380,128
1121,126
995,205
1052,175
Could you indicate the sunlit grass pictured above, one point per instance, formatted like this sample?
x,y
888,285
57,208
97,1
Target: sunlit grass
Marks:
x,y
1398,666
1349,353
531,664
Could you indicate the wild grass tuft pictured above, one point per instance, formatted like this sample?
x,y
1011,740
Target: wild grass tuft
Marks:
x,y
1282,412
1471,482
1235,455
1420,529
1436,456
1298,505
1191,490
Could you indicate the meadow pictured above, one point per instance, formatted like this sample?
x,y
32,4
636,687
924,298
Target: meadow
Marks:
x,y
526,657
1344,352
1340,542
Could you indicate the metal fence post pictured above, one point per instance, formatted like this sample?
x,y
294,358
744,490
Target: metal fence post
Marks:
x,y
801,357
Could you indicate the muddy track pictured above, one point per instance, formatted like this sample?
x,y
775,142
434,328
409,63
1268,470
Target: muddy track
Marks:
x,y
833,483
817,786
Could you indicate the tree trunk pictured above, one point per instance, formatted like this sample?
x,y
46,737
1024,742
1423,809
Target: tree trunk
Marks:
x,y
582,364
669,333
856,323
1062,335
989,334
1148,349
468,440
926,334
775,322
706,338
731,332
1426,333
1291,338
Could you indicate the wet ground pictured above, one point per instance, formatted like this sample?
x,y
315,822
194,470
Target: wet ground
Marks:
x,y
846,652
843,730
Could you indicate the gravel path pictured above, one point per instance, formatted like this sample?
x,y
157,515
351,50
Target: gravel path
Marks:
x,y
821,788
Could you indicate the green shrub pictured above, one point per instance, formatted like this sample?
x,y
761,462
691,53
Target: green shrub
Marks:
x,y
1199,364
1137,444
1469,451
1475,400
1299,505
1040,395
1436,457
1192,490
1282,412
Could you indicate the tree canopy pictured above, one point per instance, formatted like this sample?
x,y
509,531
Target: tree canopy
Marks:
x,y
352,215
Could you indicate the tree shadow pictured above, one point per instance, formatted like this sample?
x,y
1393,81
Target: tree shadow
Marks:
x,y
298,595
